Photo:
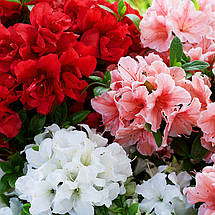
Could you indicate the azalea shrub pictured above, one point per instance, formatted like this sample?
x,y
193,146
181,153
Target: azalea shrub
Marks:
x,y
107,107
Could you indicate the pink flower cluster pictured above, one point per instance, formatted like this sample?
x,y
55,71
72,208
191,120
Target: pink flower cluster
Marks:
x,y
147,91
179,17
204,190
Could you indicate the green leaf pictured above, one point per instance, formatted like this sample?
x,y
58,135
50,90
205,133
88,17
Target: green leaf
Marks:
x,y
148,127
26,208
185,58
180,147
79,116
35,148
26,1
59,113
176,51
4,186
187,165
12,179
198,152
16,159
195,65
102,211
135,19
97,79
23,115
36,124
14,1
108,9
158,137
99,90
6,167
5,199
132,210
178,64
121,8
188,75
196,4
107,78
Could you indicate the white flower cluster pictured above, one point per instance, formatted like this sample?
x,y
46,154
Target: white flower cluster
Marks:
x,y
163,198
70,171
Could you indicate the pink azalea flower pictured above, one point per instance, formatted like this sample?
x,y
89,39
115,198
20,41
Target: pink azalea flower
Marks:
x,y
204,190
136,133
156,68
133,102
147,144
188,23
116,80
161,7
198,88
206,121
178,75
152,57
165,97
106,106
181,121
204,209
130,70
208,143
156,33
205,51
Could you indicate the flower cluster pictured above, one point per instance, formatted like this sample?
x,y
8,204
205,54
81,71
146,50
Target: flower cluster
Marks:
x,y
45,61
71,171
145,82
180,17
147,91
165,198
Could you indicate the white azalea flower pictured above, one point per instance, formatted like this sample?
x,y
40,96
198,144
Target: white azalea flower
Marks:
x,y
49,132
182,207
14,209
37,158
158,195
116,163
72,172
94,137
182,179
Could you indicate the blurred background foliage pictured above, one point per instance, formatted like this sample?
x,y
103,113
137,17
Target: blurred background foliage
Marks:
x,y
140,5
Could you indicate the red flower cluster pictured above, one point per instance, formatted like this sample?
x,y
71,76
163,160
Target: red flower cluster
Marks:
x,y
43,62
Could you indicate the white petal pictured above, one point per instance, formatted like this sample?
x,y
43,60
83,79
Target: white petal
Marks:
x,y
84,208
147,205
171,192
163,209
6,211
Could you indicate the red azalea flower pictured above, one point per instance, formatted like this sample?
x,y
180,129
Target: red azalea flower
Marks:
x,y
33,45
99,29
50,24
55,4
9,12
10,122
93,120
41,83
9,44
76,62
